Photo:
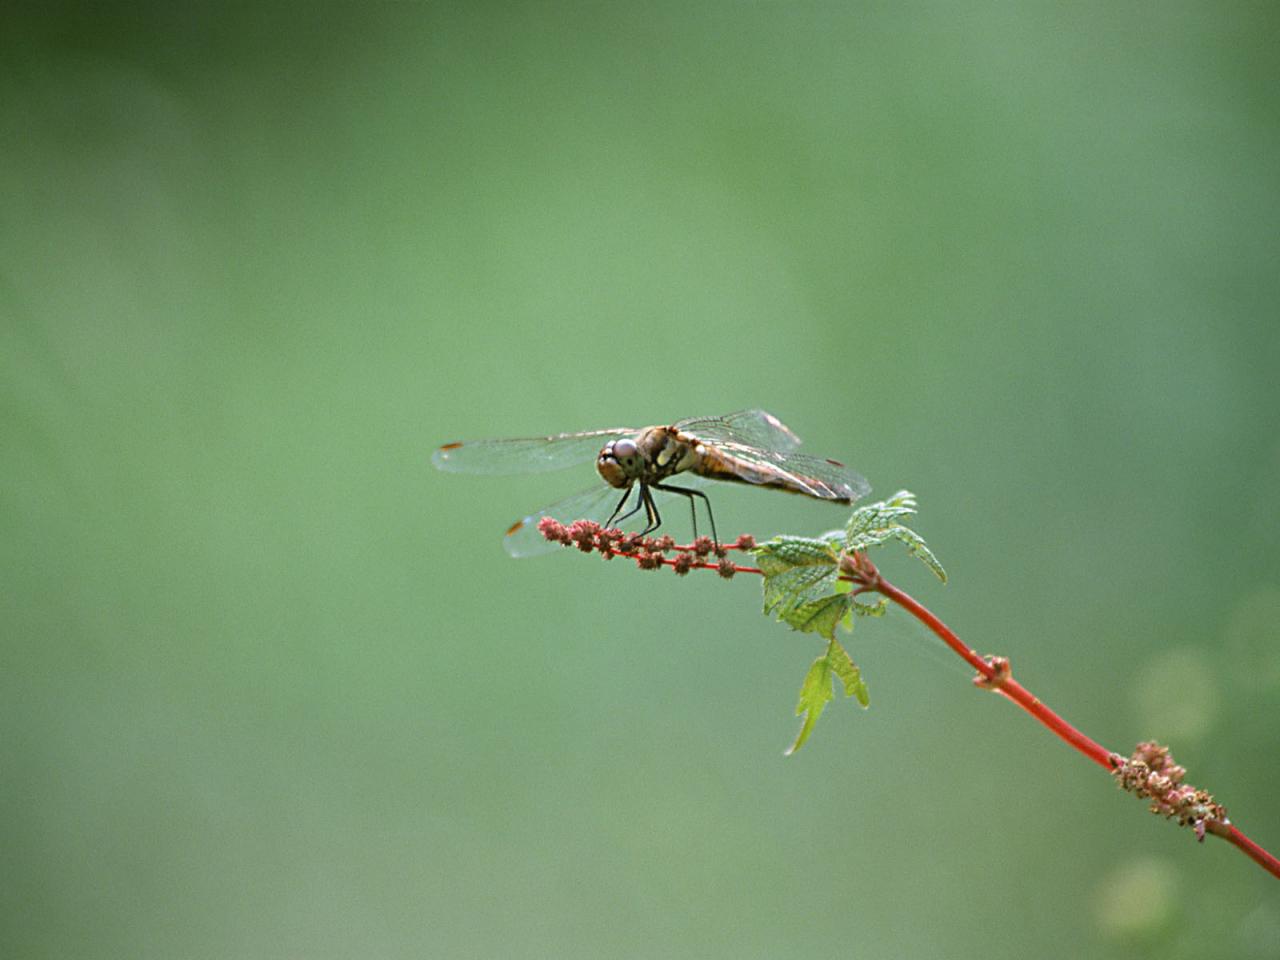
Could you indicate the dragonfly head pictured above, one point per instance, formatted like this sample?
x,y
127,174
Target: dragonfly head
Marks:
x,y
620,462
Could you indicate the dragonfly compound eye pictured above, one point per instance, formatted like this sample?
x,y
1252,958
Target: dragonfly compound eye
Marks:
x,y
625,450
607,466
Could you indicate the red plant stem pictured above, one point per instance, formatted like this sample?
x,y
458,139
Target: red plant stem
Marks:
x,y
1257,854
696,565
1005,684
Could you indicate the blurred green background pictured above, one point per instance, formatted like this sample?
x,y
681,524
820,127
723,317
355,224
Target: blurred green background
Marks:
x,y
270,686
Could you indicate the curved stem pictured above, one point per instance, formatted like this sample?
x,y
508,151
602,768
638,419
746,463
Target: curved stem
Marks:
x,y
1250,849
995,675
999,680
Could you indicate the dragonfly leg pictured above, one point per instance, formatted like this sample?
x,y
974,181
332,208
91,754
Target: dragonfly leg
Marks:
x,y
651,511
691,493
613,517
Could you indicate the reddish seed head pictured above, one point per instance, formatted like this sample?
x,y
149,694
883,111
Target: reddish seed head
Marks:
x,y
648,561
649,553
583,528
550,528
1152,774
583,534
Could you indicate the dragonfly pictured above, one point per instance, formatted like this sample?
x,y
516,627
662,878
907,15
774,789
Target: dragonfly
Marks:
x,y
748,447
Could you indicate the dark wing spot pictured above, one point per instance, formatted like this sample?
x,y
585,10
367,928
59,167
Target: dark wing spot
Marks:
x,y
452,446
835,463
514,527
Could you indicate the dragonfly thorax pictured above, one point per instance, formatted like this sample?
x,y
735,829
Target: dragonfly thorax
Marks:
x,y
654,455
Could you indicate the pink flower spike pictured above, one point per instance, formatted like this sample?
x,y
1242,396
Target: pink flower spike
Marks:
x,y
553,530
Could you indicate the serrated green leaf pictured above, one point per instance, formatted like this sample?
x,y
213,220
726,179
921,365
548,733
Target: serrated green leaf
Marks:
x,y
796,585
820,616
877,523
843,586
798,570
871,520
876,609
842,666
920,550
815,694
784,553
816,690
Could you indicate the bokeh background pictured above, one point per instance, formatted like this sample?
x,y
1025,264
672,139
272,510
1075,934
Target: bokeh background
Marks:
x,y
270,686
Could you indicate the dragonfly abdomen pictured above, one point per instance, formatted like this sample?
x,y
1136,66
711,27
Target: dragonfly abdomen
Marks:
x,y
718,466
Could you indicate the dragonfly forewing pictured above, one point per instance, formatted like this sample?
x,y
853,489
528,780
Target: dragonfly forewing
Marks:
x,y
524,454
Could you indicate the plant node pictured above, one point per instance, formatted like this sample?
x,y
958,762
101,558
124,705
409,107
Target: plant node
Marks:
x,y
1002,670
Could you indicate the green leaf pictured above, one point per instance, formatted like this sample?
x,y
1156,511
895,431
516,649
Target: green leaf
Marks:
x,y
876,609
797,571
797,585
816,691
842,666
820,616
877,523
784,553
920,550
815,694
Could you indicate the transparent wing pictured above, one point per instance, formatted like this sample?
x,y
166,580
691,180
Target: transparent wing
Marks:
x,y
524,539
524,454
751,428
766,447
823,479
